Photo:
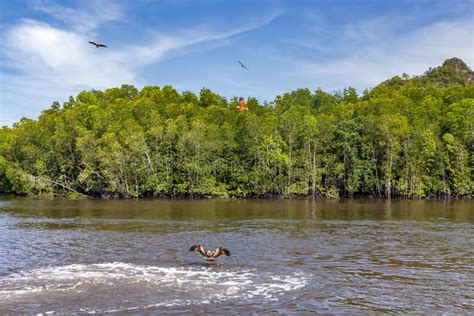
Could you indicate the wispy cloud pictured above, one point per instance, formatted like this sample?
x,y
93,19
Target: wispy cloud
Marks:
x,y
377,52
86,18
62,57
373,29
52,63
165,44
46,56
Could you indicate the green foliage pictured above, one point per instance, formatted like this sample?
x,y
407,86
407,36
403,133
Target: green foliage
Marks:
x,y
453,71
405,138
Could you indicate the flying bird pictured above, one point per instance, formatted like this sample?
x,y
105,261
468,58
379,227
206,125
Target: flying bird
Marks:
x,y
97,45
242,65
210,255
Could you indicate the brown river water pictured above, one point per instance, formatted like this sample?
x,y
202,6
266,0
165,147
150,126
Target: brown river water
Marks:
x,y
289,257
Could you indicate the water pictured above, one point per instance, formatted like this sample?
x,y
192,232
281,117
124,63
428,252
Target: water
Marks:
x,y
131,256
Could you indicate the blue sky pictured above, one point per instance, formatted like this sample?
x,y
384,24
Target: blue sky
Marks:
x,y
45,55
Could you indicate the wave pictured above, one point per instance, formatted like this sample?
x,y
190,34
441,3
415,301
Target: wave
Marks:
x,y
117,286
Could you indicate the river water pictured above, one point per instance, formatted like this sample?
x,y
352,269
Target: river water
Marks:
x,y
131,256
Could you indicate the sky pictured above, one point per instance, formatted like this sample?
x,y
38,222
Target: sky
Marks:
x,y
45,55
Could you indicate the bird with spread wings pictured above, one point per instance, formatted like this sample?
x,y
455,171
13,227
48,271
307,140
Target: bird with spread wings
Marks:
x,y
210,255
97,45
243,66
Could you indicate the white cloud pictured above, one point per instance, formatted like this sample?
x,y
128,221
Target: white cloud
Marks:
x,y
164,44
63,57
51,63
381,54
86,18
375,28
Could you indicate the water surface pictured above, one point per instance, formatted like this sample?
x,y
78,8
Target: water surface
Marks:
x,y
131,256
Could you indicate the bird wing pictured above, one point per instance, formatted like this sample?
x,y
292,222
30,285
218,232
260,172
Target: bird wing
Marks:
x,y
242,65
221,251
199,249
93,43
101,45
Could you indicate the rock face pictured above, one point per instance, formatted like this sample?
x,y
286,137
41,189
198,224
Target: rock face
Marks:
x,y
460,67
458,63
453,71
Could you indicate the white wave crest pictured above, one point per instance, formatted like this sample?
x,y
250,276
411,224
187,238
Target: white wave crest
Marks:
x,y
126,287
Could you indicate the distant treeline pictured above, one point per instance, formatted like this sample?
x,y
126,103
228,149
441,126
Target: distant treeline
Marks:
x,y
407,137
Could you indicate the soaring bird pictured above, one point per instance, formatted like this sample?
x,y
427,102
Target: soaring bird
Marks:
x,y
97,45
242,65
210,255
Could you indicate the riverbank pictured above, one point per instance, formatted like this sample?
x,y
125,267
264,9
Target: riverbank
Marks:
x,y
406,137
208,197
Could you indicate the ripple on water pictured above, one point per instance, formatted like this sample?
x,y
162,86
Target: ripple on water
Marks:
x,y
127,287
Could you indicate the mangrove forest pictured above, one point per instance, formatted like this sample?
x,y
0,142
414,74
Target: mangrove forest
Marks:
x,y
410,137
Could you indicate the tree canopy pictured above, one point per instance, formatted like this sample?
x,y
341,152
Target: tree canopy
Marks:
x,y
407,137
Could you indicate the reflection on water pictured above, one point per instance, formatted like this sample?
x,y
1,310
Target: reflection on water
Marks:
x,y
288,256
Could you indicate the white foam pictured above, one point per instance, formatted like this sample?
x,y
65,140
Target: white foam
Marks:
x,y
169,286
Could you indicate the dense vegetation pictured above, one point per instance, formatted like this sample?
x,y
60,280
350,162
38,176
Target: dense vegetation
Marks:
x,y
407,137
